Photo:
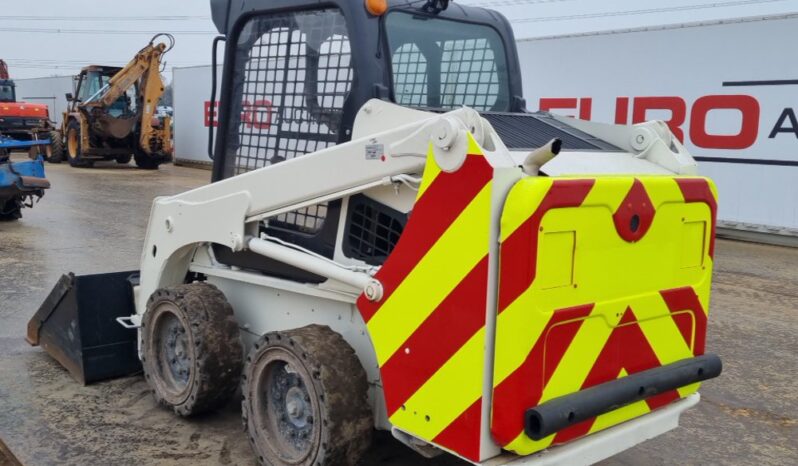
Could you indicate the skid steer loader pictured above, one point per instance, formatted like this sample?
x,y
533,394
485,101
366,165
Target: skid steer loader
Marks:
x,y
392,242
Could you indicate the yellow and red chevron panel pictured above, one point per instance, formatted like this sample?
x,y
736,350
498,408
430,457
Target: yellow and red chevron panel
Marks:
x,y
428,330
600,277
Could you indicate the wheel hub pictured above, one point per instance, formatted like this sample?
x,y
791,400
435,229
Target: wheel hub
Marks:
x,y
292,409
175,350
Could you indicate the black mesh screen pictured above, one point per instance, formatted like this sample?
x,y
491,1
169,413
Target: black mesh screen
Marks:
x,y
410,76
292,75
446,64
373,229
468,74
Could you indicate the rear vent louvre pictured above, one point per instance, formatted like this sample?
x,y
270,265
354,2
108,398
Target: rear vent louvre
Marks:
x,y
527,131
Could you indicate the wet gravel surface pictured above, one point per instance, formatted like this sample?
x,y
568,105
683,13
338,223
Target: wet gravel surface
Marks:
x,y
93,221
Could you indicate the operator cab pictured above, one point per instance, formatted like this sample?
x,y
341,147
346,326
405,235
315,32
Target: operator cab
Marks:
x,y
7,91
92,81
297,72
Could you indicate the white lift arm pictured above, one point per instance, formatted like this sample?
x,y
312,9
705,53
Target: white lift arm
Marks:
x,y
390,142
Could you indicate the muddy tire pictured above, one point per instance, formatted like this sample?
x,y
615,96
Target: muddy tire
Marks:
x,y
191,348
74,150
306,399
56,150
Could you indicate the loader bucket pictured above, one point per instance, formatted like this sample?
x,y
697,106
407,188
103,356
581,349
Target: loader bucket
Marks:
x,y
76,324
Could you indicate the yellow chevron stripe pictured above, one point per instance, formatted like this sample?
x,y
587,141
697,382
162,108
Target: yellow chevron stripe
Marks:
x,y
521,203
516,324
444,266
610,198
432,170
662,190
447,394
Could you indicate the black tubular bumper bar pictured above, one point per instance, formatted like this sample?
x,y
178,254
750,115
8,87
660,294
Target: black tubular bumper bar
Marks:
x,y
559,413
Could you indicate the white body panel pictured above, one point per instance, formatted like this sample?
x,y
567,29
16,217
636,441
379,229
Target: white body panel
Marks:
x,y
687,62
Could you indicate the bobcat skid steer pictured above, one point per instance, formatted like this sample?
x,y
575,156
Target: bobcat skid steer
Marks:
x,y
392,242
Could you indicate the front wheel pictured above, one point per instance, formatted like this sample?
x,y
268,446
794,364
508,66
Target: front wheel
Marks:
x,y
305,399
75,146
191,348
10,210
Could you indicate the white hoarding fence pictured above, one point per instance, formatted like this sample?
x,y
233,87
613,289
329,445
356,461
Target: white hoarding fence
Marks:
x,y
191,91
724,89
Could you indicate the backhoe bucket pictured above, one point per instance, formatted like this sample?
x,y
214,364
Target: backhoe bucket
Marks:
x,y
77,326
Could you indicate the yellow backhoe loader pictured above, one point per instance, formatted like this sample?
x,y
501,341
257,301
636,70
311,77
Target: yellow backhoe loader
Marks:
x,y
111,115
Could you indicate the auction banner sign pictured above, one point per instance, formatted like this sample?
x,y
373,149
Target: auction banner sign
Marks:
x,y
729,91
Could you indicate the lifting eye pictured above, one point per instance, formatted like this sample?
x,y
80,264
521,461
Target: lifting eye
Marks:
x,y
634,223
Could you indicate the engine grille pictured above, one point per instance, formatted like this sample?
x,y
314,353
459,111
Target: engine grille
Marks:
x,y
527,131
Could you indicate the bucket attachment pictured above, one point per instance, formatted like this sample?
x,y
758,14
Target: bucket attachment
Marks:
x,y
77,326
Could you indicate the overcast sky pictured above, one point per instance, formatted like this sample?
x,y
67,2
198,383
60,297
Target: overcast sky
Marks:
x,y
58,37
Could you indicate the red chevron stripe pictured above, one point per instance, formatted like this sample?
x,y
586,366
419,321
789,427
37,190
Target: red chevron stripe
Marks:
x,y
698,190
456,319
523,388
463,434
444,201
627,348
685,299
518,257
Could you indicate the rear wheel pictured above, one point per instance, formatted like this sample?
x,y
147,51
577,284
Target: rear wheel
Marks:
x,y
305,399
74,146
56,148
191,347
147,161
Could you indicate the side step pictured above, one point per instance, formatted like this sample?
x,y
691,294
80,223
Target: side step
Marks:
x,y
76,324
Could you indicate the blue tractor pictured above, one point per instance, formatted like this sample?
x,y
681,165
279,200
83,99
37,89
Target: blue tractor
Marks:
x,y
21,183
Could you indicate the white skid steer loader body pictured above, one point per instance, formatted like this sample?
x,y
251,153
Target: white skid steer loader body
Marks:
x,y
384,160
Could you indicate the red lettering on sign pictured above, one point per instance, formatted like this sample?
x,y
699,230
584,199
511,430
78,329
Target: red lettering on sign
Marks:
x,y
585,108
749,128
621,110
258,114
675,105
211,110
584,105
548,104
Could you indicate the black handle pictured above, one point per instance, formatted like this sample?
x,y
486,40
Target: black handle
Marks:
x,y
212,109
